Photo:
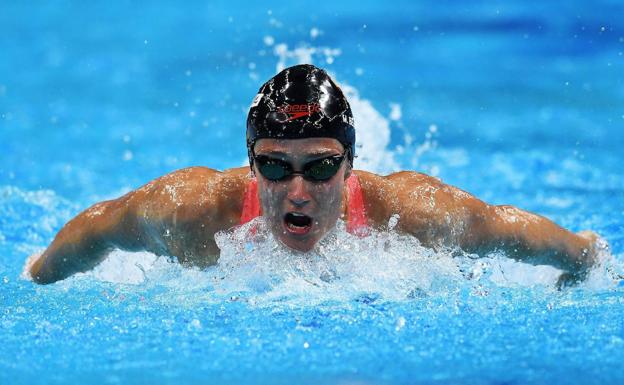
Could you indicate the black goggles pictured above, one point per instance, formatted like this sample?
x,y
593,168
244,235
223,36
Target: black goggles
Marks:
x,y
318,170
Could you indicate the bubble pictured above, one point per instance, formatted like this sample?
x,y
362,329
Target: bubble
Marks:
x,y
395,111
393,221
400,324
315,32
127,155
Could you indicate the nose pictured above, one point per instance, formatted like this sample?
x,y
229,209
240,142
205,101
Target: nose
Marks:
x,y
298,193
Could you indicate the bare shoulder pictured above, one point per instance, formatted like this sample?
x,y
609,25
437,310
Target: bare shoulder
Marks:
x,y
191,180
414,184
401,177
186,178
414,178
385,196
421,200
179,213
189,191
390,189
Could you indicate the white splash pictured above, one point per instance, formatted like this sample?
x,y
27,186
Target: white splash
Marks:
x,y
395,111
341,266
372,128
256,268
373,135
303,54
125,267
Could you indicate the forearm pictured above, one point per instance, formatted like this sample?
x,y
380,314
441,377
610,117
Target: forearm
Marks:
x,y
534,239
441,214
72,251
85,241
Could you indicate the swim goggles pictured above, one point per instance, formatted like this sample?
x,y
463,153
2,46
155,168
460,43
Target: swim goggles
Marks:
x,y
318,170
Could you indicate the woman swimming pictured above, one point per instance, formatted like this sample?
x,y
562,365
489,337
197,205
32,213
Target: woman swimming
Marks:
x,y
301,144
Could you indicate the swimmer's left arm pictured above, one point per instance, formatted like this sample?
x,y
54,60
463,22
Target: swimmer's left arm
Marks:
x,y
535,239
440,214
521,235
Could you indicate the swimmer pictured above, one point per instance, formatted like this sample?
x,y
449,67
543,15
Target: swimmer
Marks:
x,y
301,144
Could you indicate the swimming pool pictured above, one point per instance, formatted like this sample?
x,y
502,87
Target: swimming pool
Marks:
x,y
515,104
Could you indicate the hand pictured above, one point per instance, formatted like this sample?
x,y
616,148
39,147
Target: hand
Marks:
x,y
30,261
593,244
570,279
590,259
589,235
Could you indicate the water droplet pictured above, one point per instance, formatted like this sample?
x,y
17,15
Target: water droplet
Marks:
x,y
400,324
392,222
269,40
314,33
127,155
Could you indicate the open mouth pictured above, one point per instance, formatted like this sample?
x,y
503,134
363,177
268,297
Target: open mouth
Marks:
x,y
297,223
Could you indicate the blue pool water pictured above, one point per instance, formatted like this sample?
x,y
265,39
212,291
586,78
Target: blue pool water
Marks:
x,y
518,104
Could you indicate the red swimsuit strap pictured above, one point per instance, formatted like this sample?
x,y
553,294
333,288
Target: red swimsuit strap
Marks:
x,y
251,202
357,222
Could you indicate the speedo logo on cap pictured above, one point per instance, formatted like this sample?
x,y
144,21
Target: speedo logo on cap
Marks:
x,y
296,111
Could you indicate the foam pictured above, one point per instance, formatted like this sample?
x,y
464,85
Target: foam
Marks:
x,y
342,265
256,268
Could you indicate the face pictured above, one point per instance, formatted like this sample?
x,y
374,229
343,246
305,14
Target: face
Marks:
x,y
300,211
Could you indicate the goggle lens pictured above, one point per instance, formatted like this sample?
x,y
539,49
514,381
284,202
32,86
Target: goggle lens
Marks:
x,y
273,169
317,170
323,169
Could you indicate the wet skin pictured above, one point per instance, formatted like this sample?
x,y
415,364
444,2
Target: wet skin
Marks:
x,y
320,201
179,213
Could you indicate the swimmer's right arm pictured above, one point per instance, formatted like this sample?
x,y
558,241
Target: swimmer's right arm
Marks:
x,y
86,240
176,215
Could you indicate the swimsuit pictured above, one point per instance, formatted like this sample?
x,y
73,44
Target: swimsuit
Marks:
x,y
357,222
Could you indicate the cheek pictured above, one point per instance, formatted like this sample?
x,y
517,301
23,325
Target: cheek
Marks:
x,y
269,196
329,196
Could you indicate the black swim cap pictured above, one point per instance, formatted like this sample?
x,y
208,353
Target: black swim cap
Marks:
x,y
301,102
